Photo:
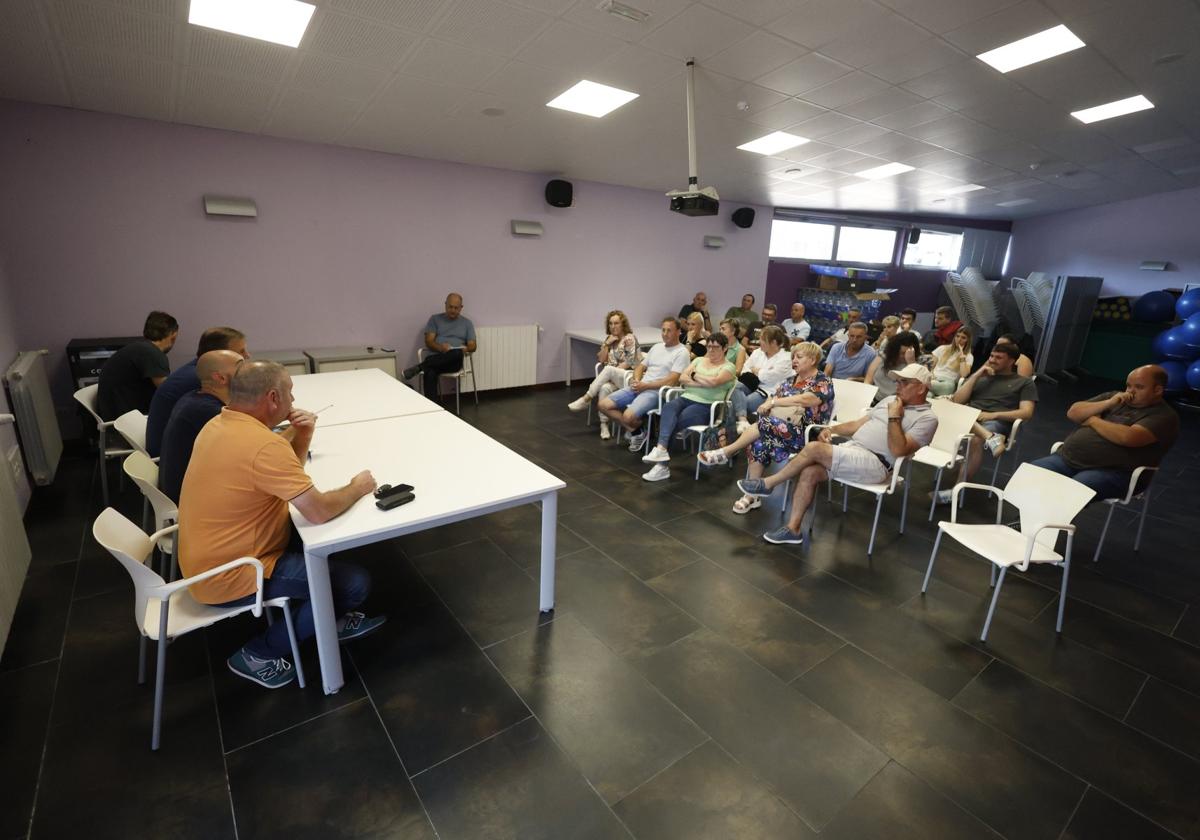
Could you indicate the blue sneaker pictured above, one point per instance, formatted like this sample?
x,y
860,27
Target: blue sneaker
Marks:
x,y
355,625
269,673
754,487
783,535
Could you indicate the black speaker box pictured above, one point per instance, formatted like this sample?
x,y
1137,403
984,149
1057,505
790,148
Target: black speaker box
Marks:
x,y
743,217
559,193
914,236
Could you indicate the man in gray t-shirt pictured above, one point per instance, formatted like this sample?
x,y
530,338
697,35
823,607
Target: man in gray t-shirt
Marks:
x,y
897,427
447,337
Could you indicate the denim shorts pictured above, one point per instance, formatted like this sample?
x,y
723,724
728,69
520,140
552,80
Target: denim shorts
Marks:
x,y
639,404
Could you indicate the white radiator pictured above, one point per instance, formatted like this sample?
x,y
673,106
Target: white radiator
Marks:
x,y
506,358
37,423
14,547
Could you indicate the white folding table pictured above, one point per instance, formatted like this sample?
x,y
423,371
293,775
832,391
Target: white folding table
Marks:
x,y
596,337
354,396
458,473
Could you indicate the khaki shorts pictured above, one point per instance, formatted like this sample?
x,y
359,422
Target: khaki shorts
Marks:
x,y
854,462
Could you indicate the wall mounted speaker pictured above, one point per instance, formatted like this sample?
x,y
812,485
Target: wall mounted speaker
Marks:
x,y
559,193
217,205
914,236
743,217
521,227
714,241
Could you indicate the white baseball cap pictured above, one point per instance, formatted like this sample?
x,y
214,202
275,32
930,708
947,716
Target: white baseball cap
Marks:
x,y
912,371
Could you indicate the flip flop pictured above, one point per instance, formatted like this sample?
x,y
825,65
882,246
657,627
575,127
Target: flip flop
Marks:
x,y
713,457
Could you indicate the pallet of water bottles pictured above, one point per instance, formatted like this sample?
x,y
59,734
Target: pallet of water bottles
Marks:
x,y
1113,309
825,310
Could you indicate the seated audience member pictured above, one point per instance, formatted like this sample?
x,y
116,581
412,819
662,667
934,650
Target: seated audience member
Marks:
x,y
695,335
850,359
130,376
745,313
769,313
945,325
897,427
1003,397
184,380
907,318
661,366
901,352
707,380
1118,432
214,369
767,367
736,354
797,403
448,336
796,327
699,304
891,326
234,504
619,352
853,316
1024,366
952,362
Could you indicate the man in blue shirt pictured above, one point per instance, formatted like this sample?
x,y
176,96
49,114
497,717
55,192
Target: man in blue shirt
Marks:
x,y
193,410
850,360
184,380
447,337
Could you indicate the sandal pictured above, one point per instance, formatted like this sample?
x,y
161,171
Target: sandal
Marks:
x,y
747,504
713,457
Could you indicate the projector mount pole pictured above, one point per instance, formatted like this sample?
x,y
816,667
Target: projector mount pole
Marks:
x,y
693,181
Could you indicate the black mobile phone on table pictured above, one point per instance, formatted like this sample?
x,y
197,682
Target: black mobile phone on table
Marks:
x,y
394,500
387,489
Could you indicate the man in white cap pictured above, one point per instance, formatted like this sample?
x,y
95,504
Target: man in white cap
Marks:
x,y
896,427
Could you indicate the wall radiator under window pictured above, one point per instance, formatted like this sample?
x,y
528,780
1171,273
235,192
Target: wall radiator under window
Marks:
x,y
14,547
37,423
506,358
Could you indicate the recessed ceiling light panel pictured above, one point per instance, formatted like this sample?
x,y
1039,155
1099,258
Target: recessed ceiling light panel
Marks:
x,y
1113,109
1031,50
1016,202
773,143
277,21
591,99
961,188
888,170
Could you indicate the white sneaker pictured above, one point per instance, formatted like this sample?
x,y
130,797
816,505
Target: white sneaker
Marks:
x,y
605,433
742,425
637,441
657,455
995,445
659,472
580,404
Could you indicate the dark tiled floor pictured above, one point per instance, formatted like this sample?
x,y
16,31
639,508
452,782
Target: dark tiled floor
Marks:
x,y
694,682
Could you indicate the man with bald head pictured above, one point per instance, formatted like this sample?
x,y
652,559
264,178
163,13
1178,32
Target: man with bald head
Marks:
x,y
1118,432
448,336
214,369
234,504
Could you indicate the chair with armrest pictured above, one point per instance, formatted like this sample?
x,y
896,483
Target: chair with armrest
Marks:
x,y
144,473
951,442
1139,488
468,369
86,397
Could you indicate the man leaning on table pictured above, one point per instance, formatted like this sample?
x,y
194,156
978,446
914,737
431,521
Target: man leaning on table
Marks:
x,y
448,336
234,504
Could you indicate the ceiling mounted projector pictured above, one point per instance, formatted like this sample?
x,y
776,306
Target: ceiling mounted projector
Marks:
x,y
695,200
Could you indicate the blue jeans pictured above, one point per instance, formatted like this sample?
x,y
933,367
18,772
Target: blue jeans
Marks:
x,y
680,412
745,402
1108,483
350,584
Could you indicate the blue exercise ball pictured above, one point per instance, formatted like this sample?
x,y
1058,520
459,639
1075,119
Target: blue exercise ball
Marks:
x,y
1155,306
1188,304
1193,376
1172,344
1177,376
1191,333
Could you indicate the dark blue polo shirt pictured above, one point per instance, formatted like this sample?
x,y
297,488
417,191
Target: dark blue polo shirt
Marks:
x,y
181,381
187,419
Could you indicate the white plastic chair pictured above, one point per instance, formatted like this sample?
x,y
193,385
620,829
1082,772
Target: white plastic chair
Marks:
x,y
132,426
648,422
86,397
468,369
1137,490
717,412
1047,502
144,473
951,442
1010,445
850,400
164,611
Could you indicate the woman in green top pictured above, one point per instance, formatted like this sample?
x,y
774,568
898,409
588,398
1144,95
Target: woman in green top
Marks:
x,y
736,353
707,380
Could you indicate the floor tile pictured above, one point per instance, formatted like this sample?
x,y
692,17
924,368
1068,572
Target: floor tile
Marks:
x,y
334,776
615,727
100,572
1168,714
708,796
1145,775
778,638
648,501
1188,628
25,699
932,658
1110,594
517,784
40,620
518,533
768,567
945,746
814,763
645,551
1102,816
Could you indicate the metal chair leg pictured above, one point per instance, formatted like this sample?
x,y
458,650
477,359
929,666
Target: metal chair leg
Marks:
x,y
932,556
161,676
1062,595
474,387
1104,533
142,661
1137,542
937,485
904,498
846,498
287,616
992,609
875,524
103,468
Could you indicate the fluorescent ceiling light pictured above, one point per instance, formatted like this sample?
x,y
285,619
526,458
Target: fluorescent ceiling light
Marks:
x,y
773,143
592,99
1113,109
1031,50
277,21
1016,202
961,188
885,171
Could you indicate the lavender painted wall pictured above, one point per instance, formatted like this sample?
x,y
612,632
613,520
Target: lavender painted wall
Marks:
x,y
1112,240
101,220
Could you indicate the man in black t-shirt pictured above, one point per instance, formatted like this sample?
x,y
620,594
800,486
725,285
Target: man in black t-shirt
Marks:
x,y
1118,432
129,377
193,410
699,304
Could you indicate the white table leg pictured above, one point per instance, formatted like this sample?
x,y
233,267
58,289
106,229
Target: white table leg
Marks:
x,y
549,549
570,347
325,621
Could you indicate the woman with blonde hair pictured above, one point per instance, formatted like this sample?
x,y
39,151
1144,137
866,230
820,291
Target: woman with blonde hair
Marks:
x,y
695,335
951,362
891,326
619,354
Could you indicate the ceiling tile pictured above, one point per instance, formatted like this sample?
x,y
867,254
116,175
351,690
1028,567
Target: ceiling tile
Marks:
x,y
846,161
852,87
895,147
804,153
326,76
25,72
944,15
218,101
550,7
1074,78
786,113
357,40
638,69
923,112
522,82
819,22
1021,20
824,125
233,54
726,95
411,14
698,32
123,84
856,135
305,116
925,57
756,12
892,99
115,30
805,73
1015,155
568,47
491,25
589,14
451,64
879,37
756,55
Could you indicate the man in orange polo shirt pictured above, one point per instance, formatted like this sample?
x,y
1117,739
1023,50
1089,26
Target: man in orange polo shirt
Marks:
x,y
234,503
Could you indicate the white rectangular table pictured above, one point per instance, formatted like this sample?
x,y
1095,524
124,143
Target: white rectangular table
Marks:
x,y
458,473
357,395
596,337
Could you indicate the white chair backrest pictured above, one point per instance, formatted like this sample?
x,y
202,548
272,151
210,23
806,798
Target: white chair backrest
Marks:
x,y
144,472
86,397
1044,497
851,399
132,426
126,542
954,421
